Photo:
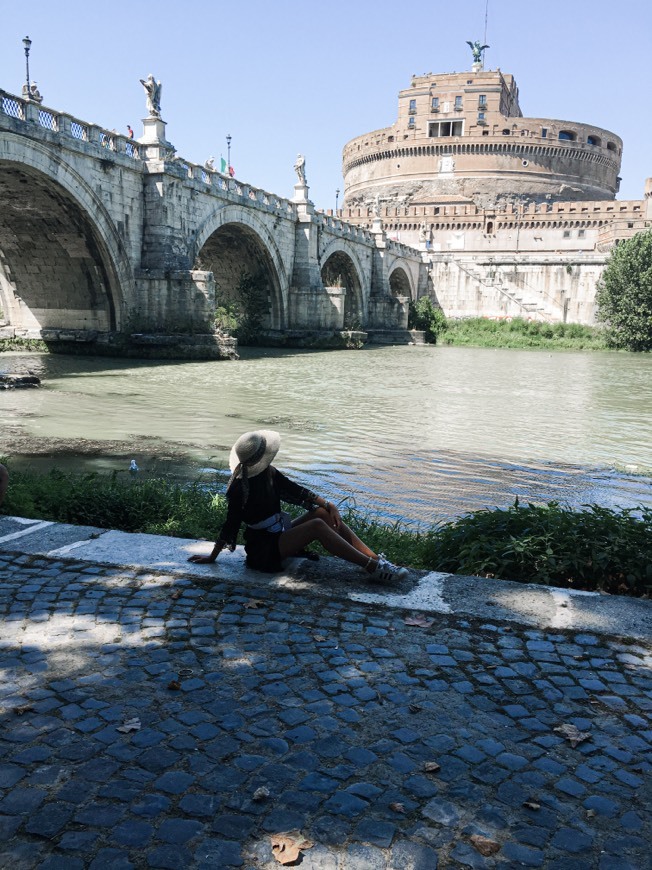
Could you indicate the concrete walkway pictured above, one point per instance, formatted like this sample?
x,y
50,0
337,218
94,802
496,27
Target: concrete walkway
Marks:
x,y
160,714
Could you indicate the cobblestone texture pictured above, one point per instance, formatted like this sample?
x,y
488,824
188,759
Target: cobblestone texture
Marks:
x,y
337,711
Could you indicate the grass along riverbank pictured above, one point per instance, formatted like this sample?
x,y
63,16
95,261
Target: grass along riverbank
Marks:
x,y
520,333
593,549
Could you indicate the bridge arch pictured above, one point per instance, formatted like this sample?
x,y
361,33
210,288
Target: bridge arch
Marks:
x,y
401,280
63,264
233,242
341,267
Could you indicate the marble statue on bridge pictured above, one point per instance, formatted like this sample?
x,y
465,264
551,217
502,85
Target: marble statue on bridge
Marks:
x,y
300,168
153,91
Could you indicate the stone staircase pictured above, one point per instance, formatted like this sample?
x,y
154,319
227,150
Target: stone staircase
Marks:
x,y
530,303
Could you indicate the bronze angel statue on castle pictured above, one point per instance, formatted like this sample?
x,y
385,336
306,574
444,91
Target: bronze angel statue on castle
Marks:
x,y
477,50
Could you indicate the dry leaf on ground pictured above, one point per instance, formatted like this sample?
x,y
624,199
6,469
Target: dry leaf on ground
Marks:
x,y
319,638
431,767
286,849
484,845
25,708
419,620
261,793
253,603
572,734
174,685
129,725
414,708
531,805
397,807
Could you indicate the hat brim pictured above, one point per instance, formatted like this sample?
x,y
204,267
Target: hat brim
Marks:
x,y
273,444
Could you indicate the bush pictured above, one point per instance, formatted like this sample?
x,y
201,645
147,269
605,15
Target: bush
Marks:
x,y
109,501
423,315
596,548
624,296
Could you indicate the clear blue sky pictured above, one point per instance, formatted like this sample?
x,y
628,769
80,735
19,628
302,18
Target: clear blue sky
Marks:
x,y
289,76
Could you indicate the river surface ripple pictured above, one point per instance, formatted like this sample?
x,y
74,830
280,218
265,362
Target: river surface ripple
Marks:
x,y
412,433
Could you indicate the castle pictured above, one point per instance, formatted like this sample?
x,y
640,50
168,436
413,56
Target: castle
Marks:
x,y
515,216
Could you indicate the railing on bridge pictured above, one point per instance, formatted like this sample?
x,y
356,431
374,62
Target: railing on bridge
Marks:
x,y
65,125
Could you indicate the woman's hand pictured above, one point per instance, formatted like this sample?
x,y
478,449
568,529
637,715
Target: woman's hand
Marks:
x,y
334,514
202,560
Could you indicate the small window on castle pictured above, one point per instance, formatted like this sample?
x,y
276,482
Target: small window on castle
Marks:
x,y
435,104
630,225
567,136
581,234
458,104
567,234
411,122
481,116
490,227
413,107
611,146
482,99
507,132
544,132
593,140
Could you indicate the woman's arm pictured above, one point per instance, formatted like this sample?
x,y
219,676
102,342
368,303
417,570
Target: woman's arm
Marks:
x,y
295,494
206,560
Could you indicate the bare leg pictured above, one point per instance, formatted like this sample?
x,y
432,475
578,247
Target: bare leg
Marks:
x,y
343,531
315,529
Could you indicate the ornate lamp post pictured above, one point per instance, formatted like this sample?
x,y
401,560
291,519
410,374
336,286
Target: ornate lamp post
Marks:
x,y
337,196
27,42
228,153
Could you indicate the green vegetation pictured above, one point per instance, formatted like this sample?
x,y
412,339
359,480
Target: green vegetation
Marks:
x,y
521,333
515,333
624,296
244,316
23,344
425,316
594,549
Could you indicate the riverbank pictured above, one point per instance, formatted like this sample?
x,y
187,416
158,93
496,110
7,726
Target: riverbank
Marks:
x,y
519,334
592,549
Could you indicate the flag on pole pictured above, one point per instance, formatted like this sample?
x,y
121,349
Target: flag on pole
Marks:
x,y
231,171
223,166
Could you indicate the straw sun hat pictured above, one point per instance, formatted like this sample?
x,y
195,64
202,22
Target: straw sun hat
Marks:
x,y
254,451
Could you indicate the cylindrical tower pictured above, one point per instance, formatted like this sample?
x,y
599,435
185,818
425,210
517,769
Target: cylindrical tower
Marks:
x,y
461,138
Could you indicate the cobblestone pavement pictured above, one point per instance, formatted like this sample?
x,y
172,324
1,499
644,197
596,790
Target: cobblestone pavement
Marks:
x,y
384,744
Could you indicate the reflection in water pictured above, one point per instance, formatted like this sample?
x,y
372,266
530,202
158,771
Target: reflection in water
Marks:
x,y
415,432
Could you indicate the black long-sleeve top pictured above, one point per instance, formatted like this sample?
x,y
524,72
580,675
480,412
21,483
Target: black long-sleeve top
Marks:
x,y
266,491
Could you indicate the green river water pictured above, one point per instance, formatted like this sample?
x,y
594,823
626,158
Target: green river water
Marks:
x,y
412,433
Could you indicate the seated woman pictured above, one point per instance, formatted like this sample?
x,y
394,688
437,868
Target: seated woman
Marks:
x,y
254,496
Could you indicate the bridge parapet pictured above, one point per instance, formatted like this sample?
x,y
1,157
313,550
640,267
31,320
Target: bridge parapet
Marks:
x,y
342,228
66,125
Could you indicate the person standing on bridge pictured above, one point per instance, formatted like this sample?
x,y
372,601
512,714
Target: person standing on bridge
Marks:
x,y
254,496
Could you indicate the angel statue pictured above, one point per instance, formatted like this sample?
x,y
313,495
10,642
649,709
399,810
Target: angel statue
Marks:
x,y
477,50
153,91
300,168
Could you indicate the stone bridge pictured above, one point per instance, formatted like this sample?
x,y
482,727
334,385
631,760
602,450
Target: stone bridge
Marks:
x,y
117,242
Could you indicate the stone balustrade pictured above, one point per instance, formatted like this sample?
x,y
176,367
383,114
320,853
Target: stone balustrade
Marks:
x,y
62,124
